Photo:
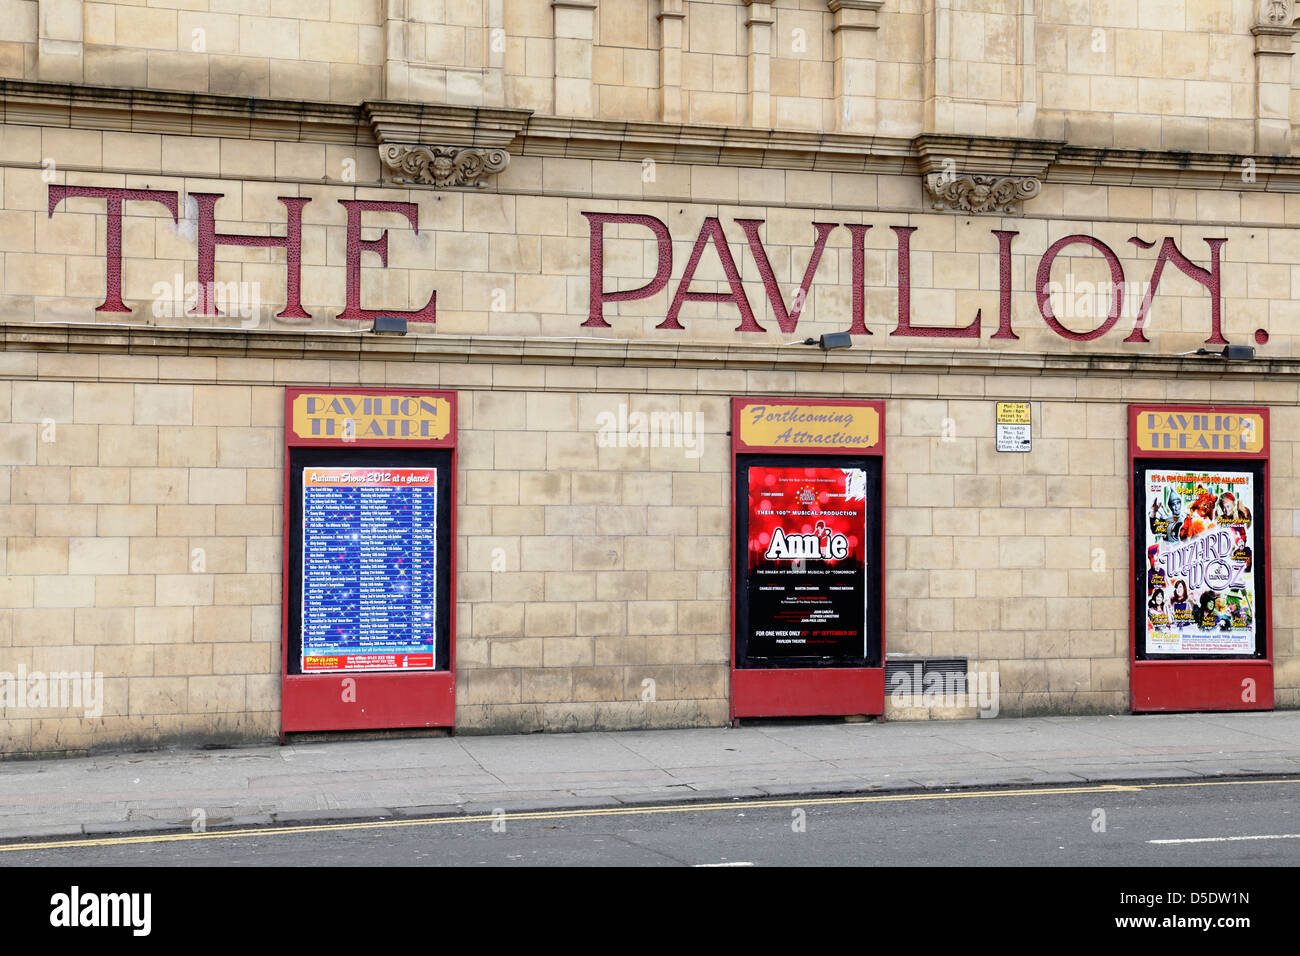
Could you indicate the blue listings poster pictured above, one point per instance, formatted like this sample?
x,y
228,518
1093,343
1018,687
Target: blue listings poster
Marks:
x,y
369,569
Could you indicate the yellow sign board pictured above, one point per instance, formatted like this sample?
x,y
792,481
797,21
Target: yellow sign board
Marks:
x,y
809,426
346,417
1013,413
1200,431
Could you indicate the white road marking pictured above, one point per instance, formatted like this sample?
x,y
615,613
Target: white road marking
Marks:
x,y
737,863
1264,836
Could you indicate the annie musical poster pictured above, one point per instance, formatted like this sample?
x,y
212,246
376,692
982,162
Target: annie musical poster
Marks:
x,y
807,539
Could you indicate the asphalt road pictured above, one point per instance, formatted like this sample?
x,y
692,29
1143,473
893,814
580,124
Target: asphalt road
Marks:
x,y
1218,823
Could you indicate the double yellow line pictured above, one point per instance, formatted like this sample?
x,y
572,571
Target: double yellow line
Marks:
x,y
274,831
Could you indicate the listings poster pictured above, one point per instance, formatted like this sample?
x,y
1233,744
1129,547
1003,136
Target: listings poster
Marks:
x,y
806,562
1200,551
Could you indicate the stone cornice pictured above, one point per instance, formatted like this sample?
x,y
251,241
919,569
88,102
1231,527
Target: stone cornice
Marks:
x,y
854,14
671,10
511,350
26,103
523,132
1140,167
993,156
721,145
394,122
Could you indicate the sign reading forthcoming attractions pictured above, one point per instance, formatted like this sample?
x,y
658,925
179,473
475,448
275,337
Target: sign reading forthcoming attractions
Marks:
x,y
1200,592
802,427
369,571
807,558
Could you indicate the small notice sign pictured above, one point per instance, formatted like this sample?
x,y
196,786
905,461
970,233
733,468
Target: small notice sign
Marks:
x,y
1013,426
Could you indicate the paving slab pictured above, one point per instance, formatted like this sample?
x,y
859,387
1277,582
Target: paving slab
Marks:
x,y
427,776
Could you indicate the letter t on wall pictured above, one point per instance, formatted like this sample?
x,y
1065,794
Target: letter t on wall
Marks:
x,y
113,198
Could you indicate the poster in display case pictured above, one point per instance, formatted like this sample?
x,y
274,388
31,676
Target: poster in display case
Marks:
x,y
1201,636
808,600
1202,594
807,544
369,572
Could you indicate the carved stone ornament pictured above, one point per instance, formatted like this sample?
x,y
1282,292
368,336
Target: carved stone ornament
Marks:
x,y
442,166
994,194
1276,13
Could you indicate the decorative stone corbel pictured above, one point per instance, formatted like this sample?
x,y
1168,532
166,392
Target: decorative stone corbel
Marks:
x,y
443,146
442,166
983,174
993,194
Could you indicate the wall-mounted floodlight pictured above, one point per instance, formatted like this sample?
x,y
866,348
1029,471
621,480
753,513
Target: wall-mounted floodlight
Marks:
x,y
389,325
1230,353
831,340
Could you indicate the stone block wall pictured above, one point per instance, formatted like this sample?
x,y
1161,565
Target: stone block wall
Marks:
x,y
142,525
1161,74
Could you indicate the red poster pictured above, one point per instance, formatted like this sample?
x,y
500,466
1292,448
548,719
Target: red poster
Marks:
x,y
806,563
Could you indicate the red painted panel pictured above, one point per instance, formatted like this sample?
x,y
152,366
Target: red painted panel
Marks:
x,y
382,701
1201,685
807,692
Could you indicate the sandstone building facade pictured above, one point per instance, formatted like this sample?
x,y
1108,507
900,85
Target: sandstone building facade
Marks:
x,y
593,210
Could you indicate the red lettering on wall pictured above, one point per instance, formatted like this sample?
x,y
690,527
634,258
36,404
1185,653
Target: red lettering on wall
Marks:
x,y
905,326
787,320
290,242
113,199
712,229
597,220
1045,276
1004,284
1210,278
356,245
858,310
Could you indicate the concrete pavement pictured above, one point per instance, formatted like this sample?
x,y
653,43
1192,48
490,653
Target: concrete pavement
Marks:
x,y
341,780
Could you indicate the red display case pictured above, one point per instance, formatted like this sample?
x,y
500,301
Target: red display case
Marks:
x,y
408,431
773,438
1200,443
